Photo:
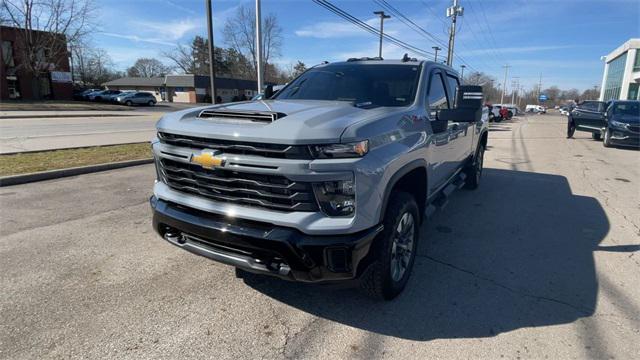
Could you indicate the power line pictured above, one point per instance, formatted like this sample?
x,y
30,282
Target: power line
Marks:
x,y
420,30
352,19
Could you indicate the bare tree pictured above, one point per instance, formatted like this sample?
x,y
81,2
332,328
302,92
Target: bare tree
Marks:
x,y
240,34
92,66
45,28
145,67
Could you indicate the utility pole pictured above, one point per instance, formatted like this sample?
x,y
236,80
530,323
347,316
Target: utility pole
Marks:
x,y
514,86
212,67
504,83
259,48
382,17
462,72
539,88
453,12
436,49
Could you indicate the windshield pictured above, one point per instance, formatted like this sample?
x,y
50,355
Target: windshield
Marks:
x,y
630,108
364,85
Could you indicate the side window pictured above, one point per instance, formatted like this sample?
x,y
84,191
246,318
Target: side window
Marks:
x,y
589,106
437,95
453,88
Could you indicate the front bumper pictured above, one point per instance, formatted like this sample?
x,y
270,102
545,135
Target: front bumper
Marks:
x,y
620,137
262,247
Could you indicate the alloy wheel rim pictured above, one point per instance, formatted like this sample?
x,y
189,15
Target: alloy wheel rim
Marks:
x,y
402,246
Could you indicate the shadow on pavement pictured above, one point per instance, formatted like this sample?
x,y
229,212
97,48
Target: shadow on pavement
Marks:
x,y
516,253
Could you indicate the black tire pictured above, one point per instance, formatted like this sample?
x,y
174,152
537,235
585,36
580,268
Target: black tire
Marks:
x,y
596,136
571,128
128,103
510,115
606,141
474,170
378,280
151,103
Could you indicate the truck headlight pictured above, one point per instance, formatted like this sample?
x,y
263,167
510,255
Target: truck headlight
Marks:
x,y
333,151
336,198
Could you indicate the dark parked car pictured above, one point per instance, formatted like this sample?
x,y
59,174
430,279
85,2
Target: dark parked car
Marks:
x,y
104,95
622,124
589,116
82,95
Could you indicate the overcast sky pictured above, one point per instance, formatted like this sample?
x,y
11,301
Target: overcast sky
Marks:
x,y
563,39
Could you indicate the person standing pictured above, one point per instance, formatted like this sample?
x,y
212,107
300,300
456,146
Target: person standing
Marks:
x,y
571,126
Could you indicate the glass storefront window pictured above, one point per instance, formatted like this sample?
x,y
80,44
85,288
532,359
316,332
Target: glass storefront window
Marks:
x,y
633,91
636,64
613,84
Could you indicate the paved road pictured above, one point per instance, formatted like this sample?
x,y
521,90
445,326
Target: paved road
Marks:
x,y
44,130
541,261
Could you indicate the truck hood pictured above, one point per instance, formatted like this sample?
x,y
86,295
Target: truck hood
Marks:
x,y
304,121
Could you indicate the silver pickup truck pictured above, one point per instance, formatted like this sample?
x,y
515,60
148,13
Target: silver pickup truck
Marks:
x,y
329,179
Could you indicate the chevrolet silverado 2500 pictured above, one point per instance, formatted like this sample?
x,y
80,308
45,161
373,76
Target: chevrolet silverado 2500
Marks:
x,y
329,179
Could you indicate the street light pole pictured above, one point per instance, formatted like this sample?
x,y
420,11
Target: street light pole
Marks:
x,y
382,17
436,49
462,72
259,48
212,68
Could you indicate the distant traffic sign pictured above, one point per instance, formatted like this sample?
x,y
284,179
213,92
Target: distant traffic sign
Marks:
x,y
542,97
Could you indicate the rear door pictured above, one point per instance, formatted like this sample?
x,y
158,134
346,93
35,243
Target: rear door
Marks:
x,y
589,115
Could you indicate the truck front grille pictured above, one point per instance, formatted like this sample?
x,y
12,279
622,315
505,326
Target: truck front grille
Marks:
x,y
267,191
235,147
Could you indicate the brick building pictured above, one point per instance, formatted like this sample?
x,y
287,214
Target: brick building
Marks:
x,y
16,83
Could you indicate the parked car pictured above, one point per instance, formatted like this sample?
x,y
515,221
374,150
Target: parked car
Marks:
x,y
103,95
113,97
83,95
137,98
326,181
536,109
589,116
622,124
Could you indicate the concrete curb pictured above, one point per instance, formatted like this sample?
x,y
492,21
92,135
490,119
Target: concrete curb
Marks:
x,y
56,174
53,116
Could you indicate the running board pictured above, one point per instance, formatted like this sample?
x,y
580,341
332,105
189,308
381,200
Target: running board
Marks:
x,y
442,198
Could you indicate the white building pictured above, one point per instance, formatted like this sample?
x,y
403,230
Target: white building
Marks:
x,y
621,80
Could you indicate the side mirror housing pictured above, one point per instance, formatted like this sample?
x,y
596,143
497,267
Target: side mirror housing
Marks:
x,y
268,92
468,106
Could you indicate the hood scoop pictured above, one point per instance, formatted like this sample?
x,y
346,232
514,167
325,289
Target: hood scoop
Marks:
x,y
238,115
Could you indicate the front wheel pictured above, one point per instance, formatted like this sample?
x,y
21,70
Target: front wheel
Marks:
x,y
474,171
151,103
606,142
394,250
128,103
596,136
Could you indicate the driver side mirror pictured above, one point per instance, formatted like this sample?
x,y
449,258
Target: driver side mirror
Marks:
x,y
468,106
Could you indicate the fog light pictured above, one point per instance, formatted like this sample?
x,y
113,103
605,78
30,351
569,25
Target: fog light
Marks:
x,y
336,198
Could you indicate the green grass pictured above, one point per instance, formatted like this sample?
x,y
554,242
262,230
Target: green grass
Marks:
x,y
62,159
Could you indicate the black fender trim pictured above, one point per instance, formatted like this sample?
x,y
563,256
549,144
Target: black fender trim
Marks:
x,y
407,168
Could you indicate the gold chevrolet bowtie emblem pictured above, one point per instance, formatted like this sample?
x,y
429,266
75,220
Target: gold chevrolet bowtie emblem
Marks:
x,y
207,159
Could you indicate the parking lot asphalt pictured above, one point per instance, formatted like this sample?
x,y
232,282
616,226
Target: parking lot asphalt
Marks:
x,y
542,261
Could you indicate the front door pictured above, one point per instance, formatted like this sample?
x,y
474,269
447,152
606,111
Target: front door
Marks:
x,y
589,115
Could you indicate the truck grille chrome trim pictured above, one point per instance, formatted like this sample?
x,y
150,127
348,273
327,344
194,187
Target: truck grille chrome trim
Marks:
x,y
269,191
233,147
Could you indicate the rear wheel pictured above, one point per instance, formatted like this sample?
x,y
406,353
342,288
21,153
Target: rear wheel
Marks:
x,y
151,103
394,250
596,136
128,103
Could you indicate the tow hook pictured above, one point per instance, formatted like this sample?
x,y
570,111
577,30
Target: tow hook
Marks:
x,y
174,237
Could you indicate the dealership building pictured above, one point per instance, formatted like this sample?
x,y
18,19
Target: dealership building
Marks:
x,y
16,82
621,80
187,88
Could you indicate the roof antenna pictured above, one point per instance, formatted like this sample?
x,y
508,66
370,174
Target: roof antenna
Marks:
x,y
406,57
